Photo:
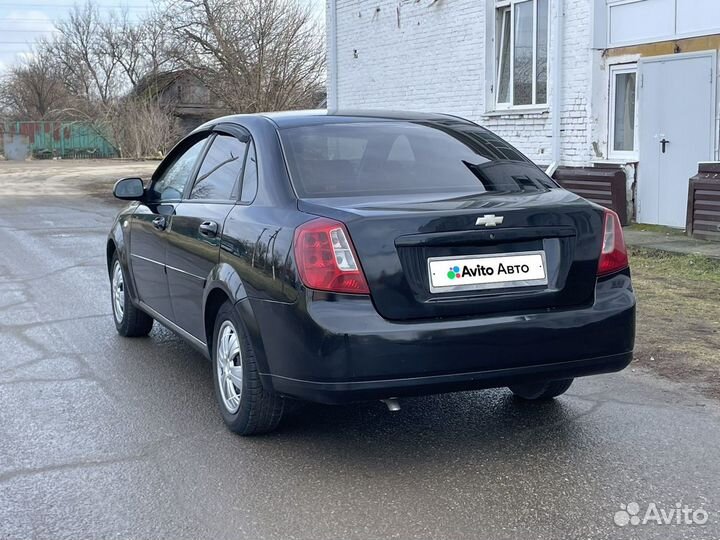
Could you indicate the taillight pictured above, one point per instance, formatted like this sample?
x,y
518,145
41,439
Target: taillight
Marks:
x,y
613,256
326,259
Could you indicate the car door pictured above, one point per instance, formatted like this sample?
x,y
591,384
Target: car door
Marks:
x,y
148,226
196,226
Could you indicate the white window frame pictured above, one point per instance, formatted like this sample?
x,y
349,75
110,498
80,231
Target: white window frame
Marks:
x,y
614,71
509,5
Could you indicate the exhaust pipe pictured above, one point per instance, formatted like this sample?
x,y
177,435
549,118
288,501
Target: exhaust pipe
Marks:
x,y
392,404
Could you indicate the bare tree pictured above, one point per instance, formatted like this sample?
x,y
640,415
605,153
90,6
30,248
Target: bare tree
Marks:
x,y
255,55
121,41
156,44
140,48
95,62
34,89
89,67
107,70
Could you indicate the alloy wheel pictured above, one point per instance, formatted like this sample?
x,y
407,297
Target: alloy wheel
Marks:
x,y
229,366
118,292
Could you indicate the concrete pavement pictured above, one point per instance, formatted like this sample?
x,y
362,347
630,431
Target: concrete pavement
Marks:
x,y
671,242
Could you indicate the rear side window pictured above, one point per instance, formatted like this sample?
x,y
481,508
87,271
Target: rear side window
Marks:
x,y
219,174
393,157
250,176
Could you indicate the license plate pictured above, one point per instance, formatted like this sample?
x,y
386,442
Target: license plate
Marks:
x,y
493,271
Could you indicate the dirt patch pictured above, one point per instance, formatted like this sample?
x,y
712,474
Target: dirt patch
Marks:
x,y
71,178
101,186
678,325
661,229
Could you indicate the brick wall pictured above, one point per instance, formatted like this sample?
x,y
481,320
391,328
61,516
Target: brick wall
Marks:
x,y
432,56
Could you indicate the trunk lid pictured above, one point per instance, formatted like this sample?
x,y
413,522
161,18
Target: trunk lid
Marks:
x,y
395,236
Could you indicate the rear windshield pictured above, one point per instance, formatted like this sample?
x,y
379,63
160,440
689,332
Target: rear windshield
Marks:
x,y
389,157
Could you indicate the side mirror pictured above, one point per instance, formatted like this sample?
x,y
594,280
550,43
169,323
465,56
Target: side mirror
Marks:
x,y
129,189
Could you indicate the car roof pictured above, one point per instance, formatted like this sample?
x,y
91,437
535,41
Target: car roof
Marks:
x,y
286,119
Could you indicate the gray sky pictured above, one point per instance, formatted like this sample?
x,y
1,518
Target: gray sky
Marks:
x,y
23,22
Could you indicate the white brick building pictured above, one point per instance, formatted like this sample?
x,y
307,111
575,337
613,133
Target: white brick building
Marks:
x,y
501,63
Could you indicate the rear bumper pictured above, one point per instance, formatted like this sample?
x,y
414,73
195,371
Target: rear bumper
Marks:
x,y
349,391
336,349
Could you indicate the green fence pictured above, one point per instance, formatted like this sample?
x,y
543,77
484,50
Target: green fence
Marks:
x,y
67,140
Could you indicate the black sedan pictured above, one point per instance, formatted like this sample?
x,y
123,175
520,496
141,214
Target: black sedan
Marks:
x,y
356,256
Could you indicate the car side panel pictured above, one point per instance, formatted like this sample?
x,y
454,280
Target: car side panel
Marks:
x,y
225,278
255,258
257,243
147,252
191,256
256,262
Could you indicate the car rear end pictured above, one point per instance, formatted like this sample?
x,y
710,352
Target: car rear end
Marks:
x,y
435,258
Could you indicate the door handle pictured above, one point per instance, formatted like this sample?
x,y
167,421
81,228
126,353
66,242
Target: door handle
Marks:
x,y
664,142
209,229
159,223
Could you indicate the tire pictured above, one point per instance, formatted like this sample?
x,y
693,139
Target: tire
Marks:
x,y
245,405
538,391
129,320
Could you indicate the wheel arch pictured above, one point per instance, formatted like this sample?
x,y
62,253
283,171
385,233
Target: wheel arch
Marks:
x,y
213,301
110,250
116,244
225,285
116,239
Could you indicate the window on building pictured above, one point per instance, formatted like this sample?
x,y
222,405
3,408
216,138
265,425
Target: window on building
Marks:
x,y
521,41
621,130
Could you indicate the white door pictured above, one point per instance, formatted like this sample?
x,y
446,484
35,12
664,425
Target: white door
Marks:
x,y
677,106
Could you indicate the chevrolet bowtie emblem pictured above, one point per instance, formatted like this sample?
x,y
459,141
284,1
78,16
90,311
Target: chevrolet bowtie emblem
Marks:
x,y
489,220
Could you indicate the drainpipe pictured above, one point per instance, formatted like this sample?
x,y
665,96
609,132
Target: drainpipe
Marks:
x,y
332,98
557,80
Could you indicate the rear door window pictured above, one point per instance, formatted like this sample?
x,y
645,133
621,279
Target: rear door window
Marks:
x,y
219,174
250,176
392,157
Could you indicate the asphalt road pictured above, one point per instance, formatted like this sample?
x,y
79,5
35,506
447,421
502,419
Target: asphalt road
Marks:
x,y
104,437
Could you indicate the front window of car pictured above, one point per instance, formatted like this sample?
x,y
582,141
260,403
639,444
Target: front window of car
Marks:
x,y
170,185
393,157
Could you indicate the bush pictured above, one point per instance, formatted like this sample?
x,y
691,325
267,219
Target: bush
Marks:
x,y
140,128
